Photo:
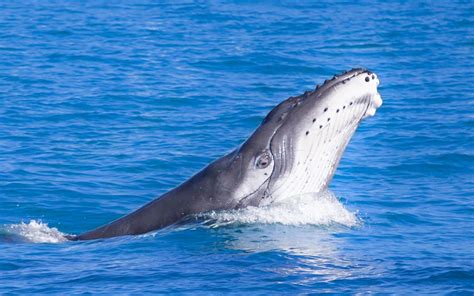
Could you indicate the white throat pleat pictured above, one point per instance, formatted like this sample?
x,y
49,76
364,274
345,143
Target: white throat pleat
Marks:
x,y
317,154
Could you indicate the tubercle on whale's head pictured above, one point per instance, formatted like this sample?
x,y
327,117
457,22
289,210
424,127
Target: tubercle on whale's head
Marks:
x,y
351,81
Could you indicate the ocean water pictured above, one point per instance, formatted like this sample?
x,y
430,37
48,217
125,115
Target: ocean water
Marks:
x,y
104,106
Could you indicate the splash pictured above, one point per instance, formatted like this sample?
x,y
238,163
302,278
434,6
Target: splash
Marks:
x,y
34,232
322,209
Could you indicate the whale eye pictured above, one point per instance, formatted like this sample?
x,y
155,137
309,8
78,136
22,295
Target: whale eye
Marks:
x,y
263,160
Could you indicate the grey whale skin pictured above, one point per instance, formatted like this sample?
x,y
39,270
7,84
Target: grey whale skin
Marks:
x,y
294,151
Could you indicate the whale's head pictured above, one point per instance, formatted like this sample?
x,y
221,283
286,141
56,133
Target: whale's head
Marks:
x,y
299,144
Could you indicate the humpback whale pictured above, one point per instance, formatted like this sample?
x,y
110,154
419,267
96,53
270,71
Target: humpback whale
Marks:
x,y
294,151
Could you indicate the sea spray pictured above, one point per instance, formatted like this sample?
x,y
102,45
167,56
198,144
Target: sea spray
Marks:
x,y
321,209
36,232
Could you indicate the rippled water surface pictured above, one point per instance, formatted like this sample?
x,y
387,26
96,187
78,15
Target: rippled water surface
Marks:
x,y
105,106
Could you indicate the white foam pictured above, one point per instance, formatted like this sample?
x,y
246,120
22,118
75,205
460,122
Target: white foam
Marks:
x,y
36,232
322,209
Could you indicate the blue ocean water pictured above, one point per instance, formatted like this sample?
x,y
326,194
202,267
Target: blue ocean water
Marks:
x,y
105,106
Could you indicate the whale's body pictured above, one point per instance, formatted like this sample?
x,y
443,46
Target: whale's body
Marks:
x,y
294,151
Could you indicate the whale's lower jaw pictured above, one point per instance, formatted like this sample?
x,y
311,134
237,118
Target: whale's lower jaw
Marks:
x,y
315,160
